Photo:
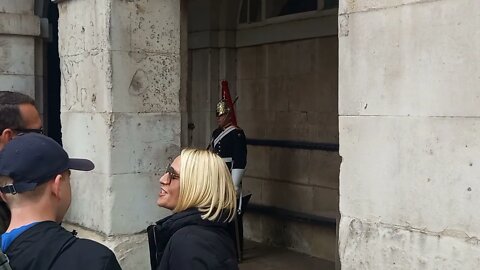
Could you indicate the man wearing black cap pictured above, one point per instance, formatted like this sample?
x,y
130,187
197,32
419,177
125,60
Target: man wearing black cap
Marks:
x,y
18,114
35,183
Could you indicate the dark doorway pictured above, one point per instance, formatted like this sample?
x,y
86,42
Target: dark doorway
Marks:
x,y
52,90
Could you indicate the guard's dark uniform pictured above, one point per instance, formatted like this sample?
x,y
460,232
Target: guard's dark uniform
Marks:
x,y
231,147
230,144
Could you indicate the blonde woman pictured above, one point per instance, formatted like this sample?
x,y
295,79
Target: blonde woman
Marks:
x,y
198,188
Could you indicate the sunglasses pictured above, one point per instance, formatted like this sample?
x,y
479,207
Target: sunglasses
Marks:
x,y
172,174
29,130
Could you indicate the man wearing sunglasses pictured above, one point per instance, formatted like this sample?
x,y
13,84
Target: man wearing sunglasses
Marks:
x,y
18,114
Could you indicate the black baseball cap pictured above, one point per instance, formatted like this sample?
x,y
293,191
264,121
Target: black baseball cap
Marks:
x,y
32,159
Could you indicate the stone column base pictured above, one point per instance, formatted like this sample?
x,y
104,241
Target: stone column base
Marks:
x,y
131,249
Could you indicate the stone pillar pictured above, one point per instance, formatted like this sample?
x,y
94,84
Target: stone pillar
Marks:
x,y
409,134
20,70
120,64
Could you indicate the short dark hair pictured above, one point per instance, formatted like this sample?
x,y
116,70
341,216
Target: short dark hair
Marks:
x,y
10,116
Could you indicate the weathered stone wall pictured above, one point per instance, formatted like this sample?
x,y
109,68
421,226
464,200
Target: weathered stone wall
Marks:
x,y
409,124
120,64
285,74
20,70
288,91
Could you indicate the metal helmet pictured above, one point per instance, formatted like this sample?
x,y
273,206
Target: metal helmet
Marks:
x,y
222,108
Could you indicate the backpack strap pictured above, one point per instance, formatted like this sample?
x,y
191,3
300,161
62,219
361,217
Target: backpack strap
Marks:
x,y
4,262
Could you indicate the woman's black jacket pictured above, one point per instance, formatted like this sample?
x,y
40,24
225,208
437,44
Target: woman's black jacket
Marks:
x,y
184,241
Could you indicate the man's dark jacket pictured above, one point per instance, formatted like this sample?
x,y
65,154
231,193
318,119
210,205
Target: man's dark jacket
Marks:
x,y
47,245
184,241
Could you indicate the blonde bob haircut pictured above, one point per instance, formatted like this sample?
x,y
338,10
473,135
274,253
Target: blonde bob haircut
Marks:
x,y
206,184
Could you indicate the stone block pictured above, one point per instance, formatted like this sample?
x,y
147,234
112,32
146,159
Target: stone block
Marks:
x,y
142,143
418,172
246,63
17,55
135,201
311,93
319,91
83,27
145,82
290,165
258,162
253,122
18,83
252,185
19,24
115,202
411,61
324,168
201,135
289,126
300,57
86,81
91,201
325,202
214,74
326,54
288,195
253,227
252,94
323,127
251,62
365,245
277,95
315,240
18,6
88,135
146,26
227,63
198,58
351,6
276,64
199,97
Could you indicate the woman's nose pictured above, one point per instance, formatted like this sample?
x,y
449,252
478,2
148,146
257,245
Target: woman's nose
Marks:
x,y
164,179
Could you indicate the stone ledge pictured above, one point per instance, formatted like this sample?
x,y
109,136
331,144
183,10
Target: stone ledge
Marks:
x,y
373,245
19,24
131,250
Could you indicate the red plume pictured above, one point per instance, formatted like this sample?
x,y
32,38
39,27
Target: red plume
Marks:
x,y
226,96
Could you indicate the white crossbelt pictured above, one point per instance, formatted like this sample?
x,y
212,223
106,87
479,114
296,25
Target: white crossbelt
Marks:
x,y
223,134
227,159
